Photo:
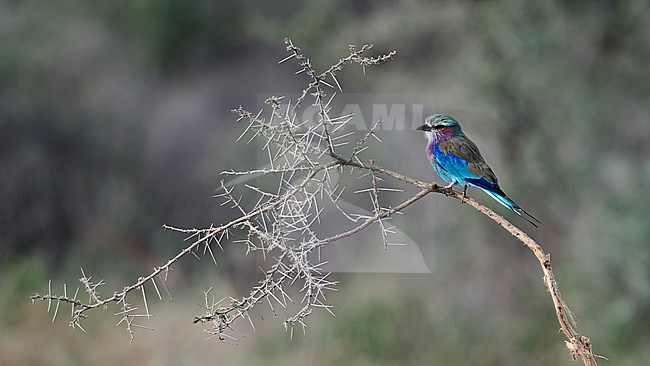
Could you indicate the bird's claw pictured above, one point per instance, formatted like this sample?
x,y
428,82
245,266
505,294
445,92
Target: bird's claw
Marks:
x,y
449,187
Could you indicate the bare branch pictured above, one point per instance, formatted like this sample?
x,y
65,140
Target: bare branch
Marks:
x,y
280,221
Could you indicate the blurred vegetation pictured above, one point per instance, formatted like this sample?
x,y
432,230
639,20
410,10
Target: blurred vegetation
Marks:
x,y
114,119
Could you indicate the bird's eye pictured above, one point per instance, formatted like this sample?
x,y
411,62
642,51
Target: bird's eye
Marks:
x,y
437,127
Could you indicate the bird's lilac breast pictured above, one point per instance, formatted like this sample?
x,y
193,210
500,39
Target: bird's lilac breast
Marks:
x,y
437,137
430,149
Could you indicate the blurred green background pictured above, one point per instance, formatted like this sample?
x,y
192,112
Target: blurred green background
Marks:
x,y
115,118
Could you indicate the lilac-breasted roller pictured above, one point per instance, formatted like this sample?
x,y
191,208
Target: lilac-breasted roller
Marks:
x,y
457,160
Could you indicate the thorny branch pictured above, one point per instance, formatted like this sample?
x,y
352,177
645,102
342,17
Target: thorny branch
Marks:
x,y
305,157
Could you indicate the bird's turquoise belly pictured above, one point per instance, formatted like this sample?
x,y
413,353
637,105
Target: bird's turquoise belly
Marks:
x,y
443,173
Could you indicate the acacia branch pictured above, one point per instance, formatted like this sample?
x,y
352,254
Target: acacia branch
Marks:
x,y
209,234
281,225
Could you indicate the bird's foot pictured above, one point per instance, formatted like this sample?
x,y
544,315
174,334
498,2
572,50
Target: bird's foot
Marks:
x,y
465,191
449,187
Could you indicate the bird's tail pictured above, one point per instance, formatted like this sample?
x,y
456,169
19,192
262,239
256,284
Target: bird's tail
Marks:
x,y
512,206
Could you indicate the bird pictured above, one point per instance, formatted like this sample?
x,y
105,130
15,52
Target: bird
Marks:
x,y
457,160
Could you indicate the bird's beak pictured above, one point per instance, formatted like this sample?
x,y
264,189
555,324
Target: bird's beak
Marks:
x,y
424,128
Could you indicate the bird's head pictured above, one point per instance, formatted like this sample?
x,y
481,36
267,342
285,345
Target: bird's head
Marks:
x,y
440,126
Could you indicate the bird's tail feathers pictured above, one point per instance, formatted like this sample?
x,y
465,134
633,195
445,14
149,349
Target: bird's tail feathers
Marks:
x,y
512,206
